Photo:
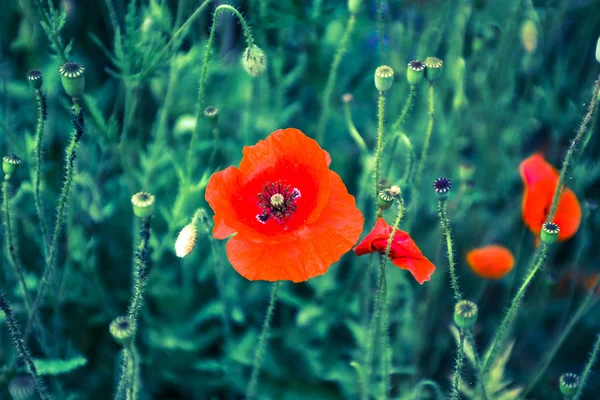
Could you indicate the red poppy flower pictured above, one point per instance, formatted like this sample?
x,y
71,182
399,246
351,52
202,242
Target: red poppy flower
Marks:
x,y
491,262
404,253
540,180
292,216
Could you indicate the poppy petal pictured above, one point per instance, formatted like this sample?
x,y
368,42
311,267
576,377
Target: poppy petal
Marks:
x,y
568,215
316,247
491,262
535,168
221,188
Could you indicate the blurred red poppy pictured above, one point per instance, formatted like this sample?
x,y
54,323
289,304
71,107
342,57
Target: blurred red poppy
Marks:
x,y
292,216
540,180
491,262
404,253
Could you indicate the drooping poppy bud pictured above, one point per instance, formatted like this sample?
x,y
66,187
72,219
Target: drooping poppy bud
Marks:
x,y
254,61
186,240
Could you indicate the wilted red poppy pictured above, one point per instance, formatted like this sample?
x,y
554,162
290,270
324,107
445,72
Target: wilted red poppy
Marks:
x,y
404,253
491,262
292,216
540,180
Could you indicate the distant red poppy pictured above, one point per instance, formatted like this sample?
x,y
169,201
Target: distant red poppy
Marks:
x,y
292,216
540,180
491,262
404,253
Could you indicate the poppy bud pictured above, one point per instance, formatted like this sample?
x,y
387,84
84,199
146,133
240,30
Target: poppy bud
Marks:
x,y
143,204
441,187
549,233
212,114
354,6
10,163
22,387
254,61
466,171
35,79
186,240
122,330
347,98
569,383
186,124
385,199
465,314
529,36
434,68
72,78
598,50
384,77
415,72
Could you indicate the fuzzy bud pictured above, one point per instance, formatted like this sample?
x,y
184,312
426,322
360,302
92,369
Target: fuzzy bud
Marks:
x,y
347,98
143,204
465,314
441,187
254,61
72,78
415,72
354,6
384,77
186,240
34,77
569,383
122,330
10,163
549,233
434,67
529,36
22,387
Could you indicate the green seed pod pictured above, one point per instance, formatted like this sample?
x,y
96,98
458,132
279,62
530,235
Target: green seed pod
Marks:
x,y
212,114
254,61
434,68
465,314
35,79
415,72
598,50
72,78
441,187
122,330
384,77
10,163
569,383
22,387
354,6
385,199
143,204
549,233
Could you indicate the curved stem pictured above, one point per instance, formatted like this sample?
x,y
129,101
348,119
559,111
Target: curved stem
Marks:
x,y
204,79
332,77
262,344
454,393
450,250
405,109
573,148
439,395
39,136
427,133
354,134
379,149
588,368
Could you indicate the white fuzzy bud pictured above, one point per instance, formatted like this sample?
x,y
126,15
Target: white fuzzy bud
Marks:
x,y
185,241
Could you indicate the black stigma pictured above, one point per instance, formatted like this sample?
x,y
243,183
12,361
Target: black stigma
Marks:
x,y
286,202
442,185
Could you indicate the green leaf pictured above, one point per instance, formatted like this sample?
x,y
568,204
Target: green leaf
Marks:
x,y
58,366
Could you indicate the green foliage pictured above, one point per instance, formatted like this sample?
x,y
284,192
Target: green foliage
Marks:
x,y
58,366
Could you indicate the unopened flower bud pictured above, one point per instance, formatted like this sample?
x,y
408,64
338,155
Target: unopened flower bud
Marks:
x,y
22,387
122,330
384,77
186,240
35,79
10,163
441,187
347,98
394,190
598,50
466,171
569,383
434,67
465,314
72,78
415,72
354,6
529,36
143,204
549,233
254,61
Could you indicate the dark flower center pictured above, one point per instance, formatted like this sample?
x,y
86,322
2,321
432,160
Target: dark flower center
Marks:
x,y
442,185
277,201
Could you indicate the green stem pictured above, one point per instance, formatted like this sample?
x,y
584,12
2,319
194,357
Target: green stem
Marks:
x,y
409,157
140,273
368,364
573,148
588,368
450,250
71,155
332,77
380,28
204,78
510,314
427,134
21,347
406,108
437,391
583,308
379,149
39,136
384,336
454,393
262,344
354,134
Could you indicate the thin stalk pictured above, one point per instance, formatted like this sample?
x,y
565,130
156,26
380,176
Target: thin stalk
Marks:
x,y
39,137
373,327
573,149
384,336
427,134
142,258
262,344
379,149
454,393
437,391
21,347
510,314
332,77
407,106
71,155
450,250
380,32
354,134
204,78
588,368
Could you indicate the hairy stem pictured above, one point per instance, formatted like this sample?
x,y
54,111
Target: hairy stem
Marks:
x,y
450,250
454,393
379,148
39,137
588,368
407,106
354,134
369,355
